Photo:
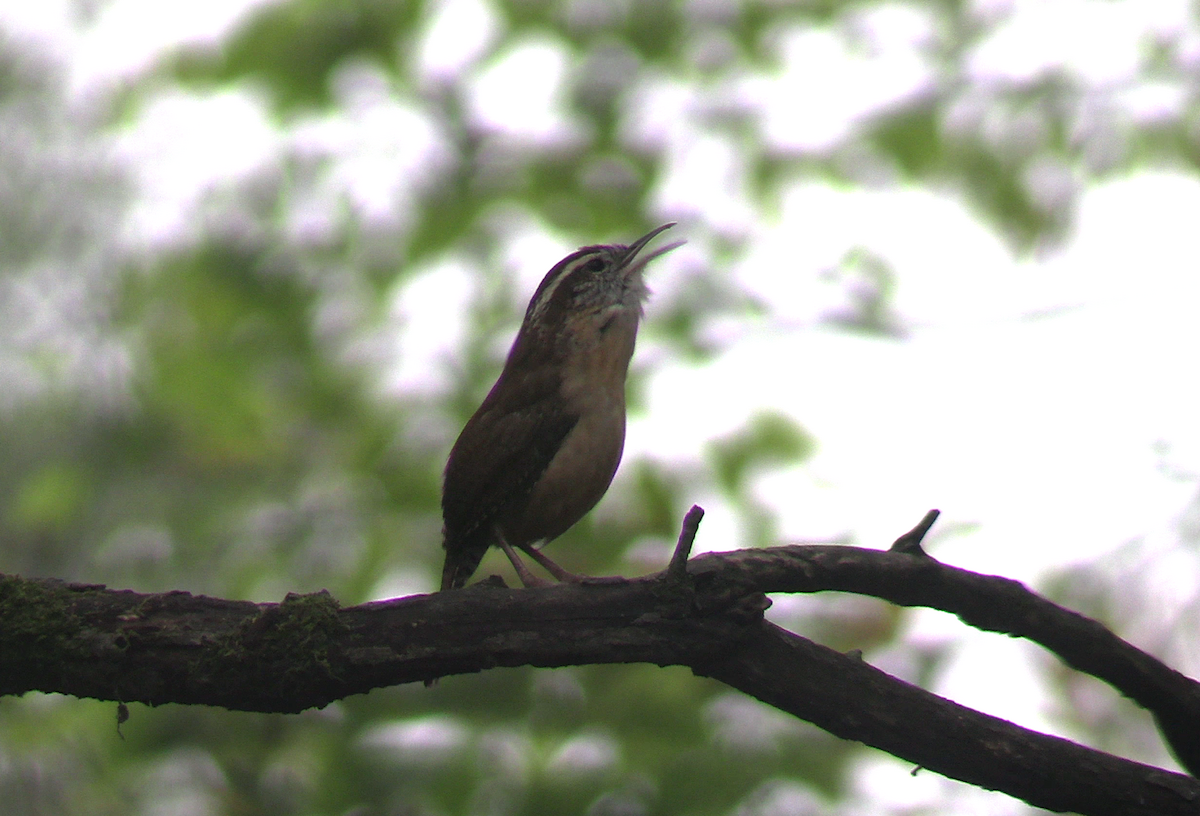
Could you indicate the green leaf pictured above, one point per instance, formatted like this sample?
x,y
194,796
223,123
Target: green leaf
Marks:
x,y
769,440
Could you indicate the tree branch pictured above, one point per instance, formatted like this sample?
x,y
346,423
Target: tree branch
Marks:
x,y
853,700
88,641
987,602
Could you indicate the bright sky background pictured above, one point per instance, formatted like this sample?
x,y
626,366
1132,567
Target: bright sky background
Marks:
x,y
1047,401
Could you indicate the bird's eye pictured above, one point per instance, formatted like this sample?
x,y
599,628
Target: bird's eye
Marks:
x,y
594,265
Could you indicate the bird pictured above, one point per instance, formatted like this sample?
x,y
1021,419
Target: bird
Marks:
x,y
544,445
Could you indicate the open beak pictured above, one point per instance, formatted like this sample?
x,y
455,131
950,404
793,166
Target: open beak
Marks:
x,y
632,264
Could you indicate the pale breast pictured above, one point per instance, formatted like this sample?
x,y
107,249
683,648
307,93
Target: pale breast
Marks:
x,y
577,477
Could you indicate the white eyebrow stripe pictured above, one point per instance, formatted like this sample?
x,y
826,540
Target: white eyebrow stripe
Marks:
x,y
543,299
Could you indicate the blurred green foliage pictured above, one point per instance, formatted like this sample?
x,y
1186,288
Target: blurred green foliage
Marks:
x,y
209,414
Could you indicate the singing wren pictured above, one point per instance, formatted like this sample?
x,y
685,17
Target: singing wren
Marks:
x,y
543,447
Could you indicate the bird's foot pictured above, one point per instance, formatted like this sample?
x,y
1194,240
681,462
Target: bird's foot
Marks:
x,y
566,576
527,577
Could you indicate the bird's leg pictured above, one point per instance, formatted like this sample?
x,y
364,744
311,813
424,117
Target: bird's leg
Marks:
x,y
569,577
527,577
554,569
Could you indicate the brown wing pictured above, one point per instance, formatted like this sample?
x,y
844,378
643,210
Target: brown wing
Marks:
x,y
499,456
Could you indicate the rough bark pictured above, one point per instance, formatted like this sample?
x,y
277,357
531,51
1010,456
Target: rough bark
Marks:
x,y
706,613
